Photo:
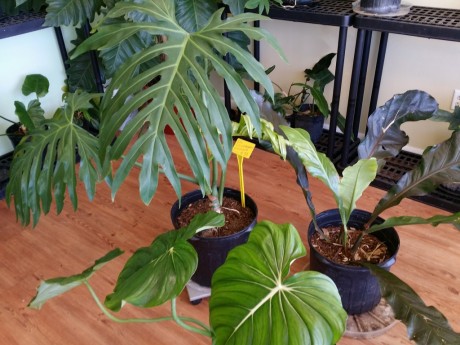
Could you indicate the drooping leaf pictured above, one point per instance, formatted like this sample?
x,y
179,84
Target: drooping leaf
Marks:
x,y
439,164
71,12
182,84
409,220
453,118
425,325
57,286
45,163
385,138
355,180
255,301
155,274
35,83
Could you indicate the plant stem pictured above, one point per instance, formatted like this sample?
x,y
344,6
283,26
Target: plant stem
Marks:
x,y
181,176
4,118
139,320
206,332
222,186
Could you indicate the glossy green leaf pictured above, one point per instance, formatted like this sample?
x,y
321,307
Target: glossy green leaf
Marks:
x,y
453,118
57,286
31,117
409,220
45,163
316,163
182,83
159,272
425,325
193,15
439,164
355,180
35,83
384,137
255,301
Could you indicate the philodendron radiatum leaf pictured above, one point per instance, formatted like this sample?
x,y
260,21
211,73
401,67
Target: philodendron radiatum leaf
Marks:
x,y
255,301
182,83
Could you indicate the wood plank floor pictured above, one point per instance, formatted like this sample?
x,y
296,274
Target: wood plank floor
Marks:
x,y
429,259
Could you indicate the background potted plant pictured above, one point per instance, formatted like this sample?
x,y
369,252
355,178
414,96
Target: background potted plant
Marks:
x,y
384,139
304,105
380,6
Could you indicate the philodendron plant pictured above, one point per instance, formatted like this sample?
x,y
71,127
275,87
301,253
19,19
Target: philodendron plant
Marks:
x,y
439,164
254,299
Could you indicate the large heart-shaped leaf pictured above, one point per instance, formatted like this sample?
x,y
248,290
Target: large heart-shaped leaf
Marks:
x,y
57,286
45,162
201,125
425,325
439,164
254,301
384,137
159,272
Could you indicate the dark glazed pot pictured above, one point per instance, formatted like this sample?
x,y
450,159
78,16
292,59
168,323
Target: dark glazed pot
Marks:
x,y
212,252
380,6
358,288
313,124
14,134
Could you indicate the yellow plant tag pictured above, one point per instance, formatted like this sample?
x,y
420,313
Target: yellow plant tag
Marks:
x,y
242,149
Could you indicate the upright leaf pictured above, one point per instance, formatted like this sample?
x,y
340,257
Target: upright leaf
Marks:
x,y
384,137
255,301
35,83
425,325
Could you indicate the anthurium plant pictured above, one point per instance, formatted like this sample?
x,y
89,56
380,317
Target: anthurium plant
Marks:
x,y
438,164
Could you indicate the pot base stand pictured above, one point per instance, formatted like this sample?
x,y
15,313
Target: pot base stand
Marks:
x,y
371,324
197,292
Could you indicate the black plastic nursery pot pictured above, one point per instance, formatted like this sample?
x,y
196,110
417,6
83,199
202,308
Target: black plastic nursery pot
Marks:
x,y
380,6
212,252
358,288
14,134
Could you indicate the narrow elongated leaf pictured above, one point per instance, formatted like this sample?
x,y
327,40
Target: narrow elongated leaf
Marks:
x,y
385,138
408,220
254,301
45,163
155,274
439,164
425,325
355,180
316,163
57,286
201,125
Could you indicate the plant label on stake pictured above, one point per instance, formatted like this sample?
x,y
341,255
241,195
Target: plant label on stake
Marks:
x,y
242,149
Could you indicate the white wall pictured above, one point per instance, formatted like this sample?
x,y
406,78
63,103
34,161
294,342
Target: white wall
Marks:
x,y
411,63
35,52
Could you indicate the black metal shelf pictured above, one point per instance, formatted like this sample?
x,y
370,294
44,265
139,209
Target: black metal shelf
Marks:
x,y
427,22
21,23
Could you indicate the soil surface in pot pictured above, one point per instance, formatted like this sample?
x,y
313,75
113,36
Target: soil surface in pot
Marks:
x,y
237,217
371,249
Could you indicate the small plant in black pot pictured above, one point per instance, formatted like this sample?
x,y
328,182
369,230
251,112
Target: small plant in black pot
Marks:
x,y
348,245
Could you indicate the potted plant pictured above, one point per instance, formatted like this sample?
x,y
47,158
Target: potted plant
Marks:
x,y
304,105
31,116
439,164
178,68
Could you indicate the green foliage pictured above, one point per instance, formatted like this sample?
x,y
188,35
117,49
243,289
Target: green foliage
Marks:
x,y
57,286
72,12
425,325
255,301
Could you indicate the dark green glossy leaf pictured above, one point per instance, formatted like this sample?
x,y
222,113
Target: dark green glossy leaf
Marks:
x,y
45,163
385,138
255,301
453,118
57,286
439,164
71,12
425,325
193,15
155,274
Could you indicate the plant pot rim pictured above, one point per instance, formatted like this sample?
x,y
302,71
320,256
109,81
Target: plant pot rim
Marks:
x,y
351,268
233,192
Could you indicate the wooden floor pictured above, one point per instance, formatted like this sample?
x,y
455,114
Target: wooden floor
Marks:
x,y
429,259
